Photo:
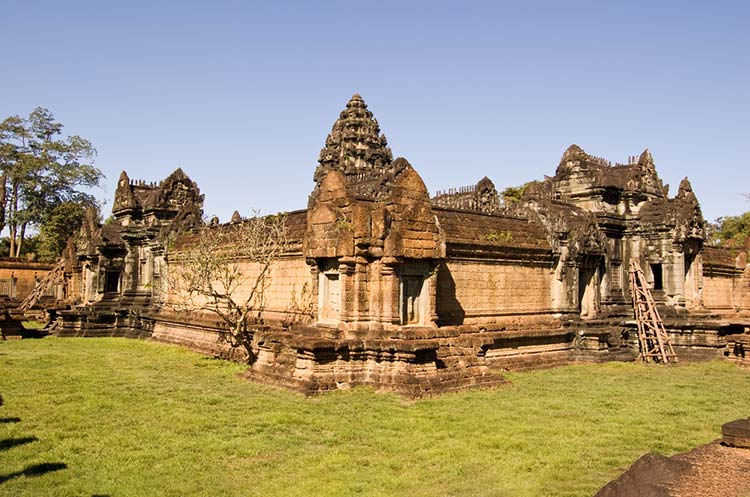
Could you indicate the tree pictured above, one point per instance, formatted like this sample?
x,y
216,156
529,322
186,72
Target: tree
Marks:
x,y
62,222
39,171
731,230
224,270
513,194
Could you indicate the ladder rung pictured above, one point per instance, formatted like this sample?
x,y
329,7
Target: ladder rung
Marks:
x,y
653,338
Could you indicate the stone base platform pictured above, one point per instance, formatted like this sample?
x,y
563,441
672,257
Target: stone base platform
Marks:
x,y
415,361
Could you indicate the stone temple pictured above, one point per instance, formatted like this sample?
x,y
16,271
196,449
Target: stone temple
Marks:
x,y
419,294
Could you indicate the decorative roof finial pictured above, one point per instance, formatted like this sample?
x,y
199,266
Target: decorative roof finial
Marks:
x,y
646,159
572,152
355,145
685,188
356,101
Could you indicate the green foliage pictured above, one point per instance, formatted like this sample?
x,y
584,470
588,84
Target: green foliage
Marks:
x,y
34,325
499,236
132,418
731,230
342,224
61,223
513,193
28,249
39,171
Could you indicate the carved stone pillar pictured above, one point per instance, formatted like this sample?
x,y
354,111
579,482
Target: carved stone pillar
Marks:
x,y
314,287
360,304
129,278
375,293
431,283
390,289
348,292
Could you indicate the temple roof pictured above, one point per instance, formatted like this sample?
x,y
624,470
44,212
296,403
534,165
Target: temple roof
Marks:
x,y
355,145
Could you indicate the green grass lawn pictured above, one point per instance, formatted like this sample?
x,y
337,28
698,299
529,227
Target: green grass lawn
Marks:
x,y
121,417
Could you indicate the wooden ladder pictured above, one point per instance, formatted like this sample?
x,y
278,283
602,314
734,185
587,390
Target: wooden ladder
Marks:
x,y
54,276
652,337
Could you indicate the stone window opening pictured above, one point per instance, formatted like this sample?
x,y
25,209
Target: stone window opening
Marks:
x,y
6,288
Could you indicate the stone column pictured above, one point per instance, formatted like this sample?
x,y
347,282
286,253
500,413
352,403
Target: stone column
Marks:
x,y
360,303
314,287
375,291
390,290
431,283
346,287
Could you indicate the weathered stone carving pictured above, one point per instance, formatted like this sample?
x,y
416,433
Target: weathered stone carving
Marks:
x,y
118,262
416,294
356,148
482,197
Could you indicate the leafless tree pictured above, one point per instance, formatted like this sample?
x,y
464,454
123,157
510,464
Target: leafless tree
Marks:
x,y
223,269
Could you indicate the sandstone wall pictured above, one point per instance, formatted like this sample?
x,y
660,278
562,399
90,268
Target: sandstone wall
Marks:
x,y
286,295
25,274
475,292
725,287
743,290
718,292
290,288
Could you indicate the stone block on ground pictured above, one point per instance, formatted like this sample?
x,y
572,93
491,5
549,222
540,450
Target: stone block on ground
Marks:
x,y
736,433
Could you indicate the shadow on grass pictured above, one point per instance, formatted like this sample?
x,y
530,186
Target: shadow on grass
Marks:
x,y
9,443
34,470
10,420
33,333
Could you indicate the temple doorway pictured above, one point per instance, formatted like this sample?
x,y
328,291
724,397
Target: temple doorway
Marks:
x,y
330,297
411,299
112,282
588,290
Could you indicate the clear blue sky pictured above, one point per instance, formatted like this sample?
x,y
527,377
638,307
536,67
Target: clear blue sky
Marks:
x,y
241,95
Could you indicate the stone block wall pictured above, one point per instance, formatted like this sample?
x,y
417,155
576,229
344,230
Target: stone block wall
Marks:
x,y
476,292
287,294
290,288
718,292
18,277
743,290
725,280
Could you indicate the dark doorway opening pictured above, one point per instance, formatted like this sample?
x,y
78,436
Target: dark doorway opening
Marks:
x,y
658,277
112,282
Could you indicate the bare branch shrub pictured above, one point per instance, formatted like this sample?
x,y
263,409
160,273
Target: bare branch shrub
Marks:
x,y
224,270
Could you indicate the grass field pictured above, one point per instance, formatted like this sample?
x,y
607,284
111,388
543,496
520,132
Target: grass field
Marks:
x,y
123,418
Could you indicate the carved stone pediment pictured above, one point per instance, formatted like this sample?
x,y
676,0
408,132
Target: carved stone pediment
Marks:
x,y
587,239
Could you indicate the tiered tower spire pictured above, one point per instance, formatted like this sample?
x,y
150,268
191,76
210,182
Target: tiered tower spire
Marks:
x,y
355,145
